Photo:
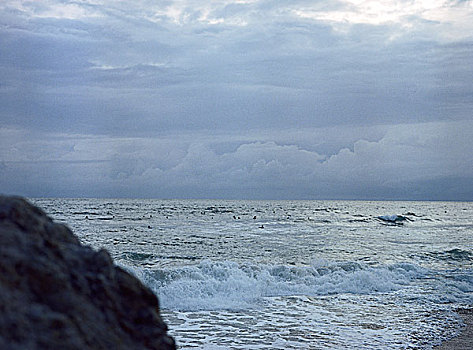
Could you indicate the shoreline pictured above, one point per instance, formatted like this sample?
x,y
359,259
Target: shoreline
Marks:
x,y
464,340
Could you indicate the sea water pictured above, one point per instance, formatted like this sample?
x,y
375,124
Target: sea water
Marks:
x,y
290,274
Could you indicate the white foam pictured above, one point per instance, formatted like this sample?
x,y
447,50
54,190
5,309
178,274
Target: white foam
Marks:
x,y
392,218
216,285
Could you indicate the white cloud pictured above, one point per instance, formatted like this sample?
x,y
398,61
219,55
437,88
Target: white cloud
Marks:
x,y
453,19
73,10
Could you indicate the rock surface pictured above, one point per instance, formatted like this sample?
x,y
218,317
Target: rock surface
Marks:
x,y
58,294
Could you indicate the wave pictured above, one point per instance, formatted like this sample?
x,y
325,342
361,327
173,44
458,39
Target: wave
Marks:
x,y
212,285
393,219
455,254
452,255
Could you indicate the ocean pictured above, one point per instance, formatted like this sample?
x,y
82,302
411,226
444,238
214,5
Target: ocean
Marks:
x,y
290,274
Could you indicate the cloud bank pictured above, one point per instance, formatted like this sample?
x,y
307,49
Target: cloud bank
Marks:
x,y
412,161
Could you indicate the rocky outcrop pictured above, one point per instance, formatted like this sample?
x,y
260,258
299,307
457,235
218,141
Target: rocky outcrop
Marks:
x,y
58,294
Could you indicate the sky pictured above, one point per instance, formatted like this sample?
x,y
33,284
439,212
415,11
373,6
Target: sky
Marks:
x,y
243,99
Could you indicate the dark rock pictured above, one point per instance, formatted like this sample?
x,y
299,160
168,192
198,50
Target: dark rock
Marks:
x,y
58,294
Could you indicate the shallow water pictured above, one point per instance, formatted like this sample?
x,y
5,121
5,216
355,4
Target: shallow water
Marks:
x,y
290,274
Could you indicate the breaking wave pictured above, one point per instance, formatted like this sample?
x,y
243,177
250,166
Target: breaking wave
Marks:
x,y
393,219
212,285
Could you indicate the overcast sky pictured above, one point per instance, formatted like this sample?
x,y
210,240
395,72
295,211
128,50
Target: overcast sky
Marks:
x,y
257,99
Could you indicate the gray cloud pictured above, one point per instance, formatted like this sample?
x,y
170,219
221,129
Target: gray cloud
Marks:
x,y
254,166
224,98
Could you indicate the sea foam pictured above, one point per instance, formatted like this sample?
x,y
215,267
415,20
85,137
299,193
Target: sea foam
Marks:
x,y
216,285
